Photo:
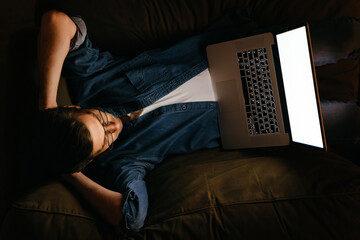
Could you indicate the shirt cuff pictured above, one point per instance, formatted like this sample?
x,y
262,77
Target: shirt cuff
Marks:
x,y
135,205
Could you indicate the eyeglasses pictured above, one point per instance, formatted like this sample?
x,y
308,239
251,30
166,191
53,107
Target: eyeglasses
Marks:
x,y
105,122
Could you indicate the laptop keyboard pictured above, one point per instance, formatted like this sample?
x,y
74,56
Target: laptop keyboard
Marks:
x,y
259,99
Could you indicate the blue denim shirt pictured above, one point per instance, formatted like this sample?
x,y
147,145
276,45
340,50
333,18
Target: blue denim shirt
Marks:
x,y
121,86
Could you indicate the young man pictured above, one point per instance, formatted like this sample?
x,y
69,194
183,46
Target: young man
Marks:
x,y
184,123
156,104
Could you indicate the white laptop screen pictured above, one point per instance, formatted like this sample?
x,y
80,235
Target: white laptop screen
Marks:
x,y
300,91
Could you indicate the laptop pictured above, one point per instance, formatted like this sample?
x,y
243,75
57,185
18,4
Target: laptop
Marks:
x,y
266,89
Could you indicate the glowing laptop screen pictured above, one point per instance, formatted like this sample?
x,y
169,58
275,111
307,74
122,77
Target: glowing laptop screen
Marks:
x,y
300,91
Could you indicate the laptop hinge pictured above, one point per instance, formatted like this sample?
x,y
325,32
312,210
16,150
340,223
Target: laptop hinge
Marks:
x,y
281,88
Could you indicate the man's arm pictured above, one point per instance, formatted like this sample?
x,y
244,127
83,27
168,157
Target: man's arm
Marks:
x,y
108,203
56,32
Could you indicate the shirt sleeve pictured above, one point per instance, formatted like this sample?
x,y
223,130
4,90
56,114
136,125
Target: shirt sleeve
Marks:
x,y
88,70
81,32
84,60
125,174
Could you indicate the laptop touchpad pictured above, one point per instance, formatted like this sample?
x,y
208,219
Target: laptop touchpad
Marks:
x,y
227,96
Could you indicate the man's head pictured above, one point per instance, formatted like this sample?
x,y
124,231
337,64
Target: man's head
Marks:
x,y
104,128
72,137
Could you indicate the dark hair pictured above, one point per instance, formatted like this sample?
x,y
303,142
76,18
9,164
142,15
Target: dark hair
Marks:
x,y
65,143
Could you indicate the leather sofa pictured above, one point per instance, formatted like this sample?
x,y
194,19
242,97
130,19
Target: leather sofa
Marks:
x,y
273,193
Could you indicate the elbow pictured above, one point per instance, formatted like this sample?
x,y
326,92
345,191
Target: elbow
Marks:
x,y
58,21
113,214
54,17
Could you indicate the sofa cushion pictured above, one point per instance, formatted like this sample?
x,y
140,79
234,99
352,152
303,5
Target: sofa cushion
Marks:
x,y
253,195
214,194
277,12
129,27
339,81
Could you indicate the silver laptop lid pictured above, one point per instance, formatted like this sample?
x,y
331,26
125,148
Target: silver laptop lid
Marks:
x,y
300,87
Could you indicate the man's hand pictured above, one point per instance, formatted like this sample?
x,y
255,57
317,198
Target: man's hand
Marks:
x,y
108,203
44,105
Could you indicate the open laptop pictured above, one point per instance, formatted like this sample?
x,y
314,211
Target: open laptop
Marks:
x,y
267,91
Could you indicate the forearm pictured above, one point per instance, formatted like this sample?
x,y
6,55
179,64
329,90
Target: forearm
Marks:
x,y
56,32
108,203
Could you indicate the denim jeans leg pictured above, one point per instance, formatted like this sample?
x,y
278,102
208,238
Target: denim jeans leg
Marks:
x,y
341,122
334,40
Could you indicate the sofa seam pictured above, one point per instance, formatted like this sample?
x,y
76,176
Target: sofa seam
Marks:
x,y
247,202
274,199
53,212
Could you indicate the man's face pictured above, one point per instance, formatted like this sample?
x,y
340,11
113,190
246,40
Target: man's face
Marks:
x,y
104,128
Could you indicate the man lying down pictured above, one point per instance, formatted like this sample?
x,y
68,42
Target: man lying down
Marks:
x,y
131,113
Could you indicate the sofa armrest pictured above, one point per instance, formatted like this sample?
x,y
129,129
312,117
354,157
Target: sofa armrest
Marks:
x,y
53,211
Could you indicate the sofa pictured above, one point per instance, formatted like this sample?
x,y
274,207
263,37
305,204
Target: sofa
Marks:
x,y
269,193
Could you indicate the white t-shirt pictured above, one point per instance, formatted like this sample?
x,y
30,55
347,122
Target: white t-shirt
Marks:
x,y
197,89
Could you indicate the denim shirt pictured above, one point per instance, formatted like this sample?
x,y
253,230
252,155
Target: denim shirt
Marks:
x,y
121,86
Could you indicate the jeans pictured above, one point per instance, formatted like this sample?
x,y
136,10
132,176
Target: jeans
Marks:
x,y
341,119
341,122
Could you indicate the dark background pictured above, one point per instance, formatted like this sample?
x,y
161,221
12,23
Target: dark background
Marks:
x,y
17,97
